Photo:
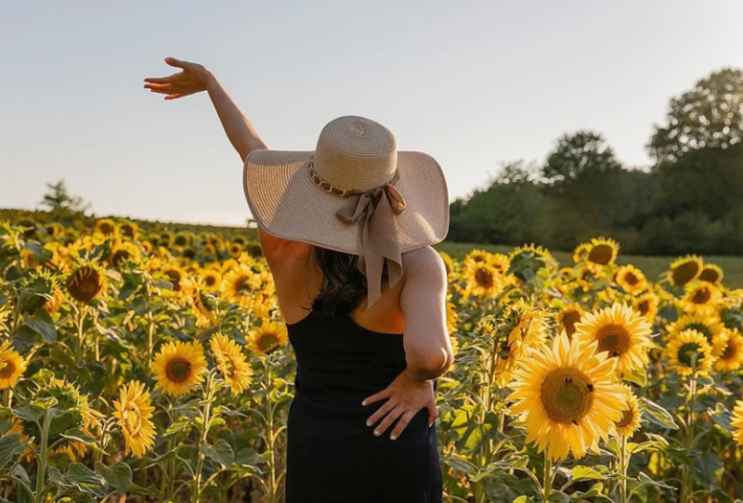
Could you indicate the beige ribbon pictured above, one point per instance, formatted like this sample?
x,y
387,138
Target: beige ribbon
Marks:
x,y
375,211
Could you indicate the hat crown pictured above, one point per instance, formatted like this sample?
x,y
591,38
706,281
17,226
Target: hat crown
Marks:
x,y
354,153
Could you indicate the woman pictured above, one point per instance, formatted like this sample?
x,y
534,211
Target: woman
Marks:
x,y
346,230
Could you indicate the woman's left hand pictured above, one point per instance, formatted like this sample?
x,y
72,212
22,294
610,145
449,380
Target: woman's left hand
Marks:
x,y
193,79
405,398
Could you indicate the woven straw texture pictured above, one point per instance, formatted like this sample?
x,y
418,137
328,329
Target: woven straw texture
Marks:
x,y
352,153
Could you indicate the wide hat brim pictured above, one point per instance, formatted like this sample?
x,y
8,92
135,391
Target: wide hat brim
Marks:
x,y
286,202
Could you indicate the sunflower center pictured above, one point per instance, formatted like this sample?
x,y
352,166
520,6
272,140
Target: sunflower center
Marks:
x,y
702,329
242,285
569,320
614,339
683,273
228,367
631,279
210,281
484,278
175,279
7,370
601,254
178,370
690,354
701,296
643,307
567,395
709,275
731,351
627,417
267,341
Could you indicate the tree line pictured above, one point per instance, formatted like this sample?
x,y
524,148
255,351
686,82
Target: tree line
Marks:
x,y
689,201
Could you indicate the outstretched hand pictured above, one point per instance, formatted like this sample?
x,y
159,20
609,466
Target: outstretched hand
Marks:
x,y
405,398
193,79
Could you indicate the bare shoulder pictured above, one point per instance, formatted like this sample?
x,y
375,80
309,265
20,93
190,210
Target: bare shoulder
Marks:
x,y
424,262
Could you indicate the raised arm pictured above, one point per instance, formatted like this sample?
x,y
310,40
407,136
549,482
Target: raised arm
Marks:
x,y
196,78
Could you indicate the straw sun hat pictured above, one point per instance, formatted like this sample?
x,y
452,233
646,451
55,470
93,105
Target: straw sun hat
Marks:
x,y
355,193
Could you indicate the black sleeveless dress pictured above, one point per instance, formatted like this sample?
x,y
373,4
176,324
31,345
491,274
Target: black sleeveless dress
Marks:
x,y
332,456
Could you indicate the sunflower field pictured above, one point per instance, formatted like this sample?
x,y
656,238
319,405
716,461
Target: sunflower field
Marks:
x,y
141,363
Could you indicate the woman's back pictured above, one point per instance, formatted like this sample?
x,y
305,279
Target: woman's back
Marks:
x,y
339,363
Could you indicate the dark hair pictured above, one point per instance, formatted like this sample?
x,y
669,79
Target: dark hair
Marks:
x,y
343,284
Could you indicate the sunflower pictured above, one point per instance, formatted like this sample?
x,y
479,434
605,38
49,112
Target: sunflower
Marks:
x,y
450,266
183,239
477,256
86,283
737,422
685,269
708,325
647,305
12,366
500,262
526,329
4,315
241,240
568,317
270,336
129,230
202,303
620,331
567,397
483,280
701,297
178,366
581,252
452,316
176,276
631,414
688,352
122,252
211,279
105,226
530,259
239,284
631,279
231,363
235,249
731,357
602,251
712,273
134,412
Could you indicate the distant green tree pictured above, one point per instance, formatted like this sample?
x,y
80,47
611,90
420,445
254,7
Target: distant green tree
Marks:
x,y
578,157
709,115
59,200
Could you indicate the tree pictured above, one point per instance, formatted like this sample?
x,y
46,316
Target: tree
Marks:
x,y
578,157
58,199
709,115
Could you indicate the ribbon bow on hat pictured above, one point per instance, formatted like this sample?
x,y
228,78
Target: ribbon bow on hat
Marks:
x,y
375,211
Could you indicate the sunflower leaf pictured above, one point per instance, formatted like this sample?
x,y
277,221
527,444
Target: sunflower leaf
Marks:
x,y
10,446
42,324
221,452
118,476
657,414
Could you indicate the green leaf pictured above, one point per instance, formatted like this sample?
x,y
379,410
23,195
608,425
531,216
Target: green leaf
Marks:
x,y
221,452
118,476
657,414
590,473
80,477
721,416
248,457
10,447
42,324
645,480
177,426
460,464
28,413
558,497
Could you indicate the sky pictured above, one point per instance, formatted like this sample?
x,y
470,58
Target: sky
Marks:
x,y
473,83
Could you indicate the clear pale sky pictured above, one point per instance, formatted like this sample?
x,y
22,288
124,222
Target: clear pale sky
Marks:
x,y
471,83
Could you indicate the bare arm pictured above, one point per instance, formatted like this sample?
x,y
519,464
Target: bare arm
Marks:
x,y
196,78
423,300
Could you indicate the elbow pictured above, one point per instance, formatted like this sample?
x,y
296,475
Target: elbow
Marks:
x,y
434,364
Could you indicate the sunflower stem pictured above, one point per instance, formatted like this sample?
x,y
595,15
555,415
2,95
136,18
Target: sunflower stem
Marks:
x,y
208,398
80,331
686,480
43,455
623,462
548,477
272,490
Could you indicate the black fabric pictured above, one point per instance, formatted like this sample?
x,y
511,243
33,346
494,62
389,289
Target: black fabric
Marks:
x,y
332,456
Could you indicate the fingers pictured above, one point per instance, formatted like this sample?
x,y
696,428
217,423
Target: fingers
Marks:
x,y
179,64
375,397
384,409
175,96
159,87
160,80
388,420
402,423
